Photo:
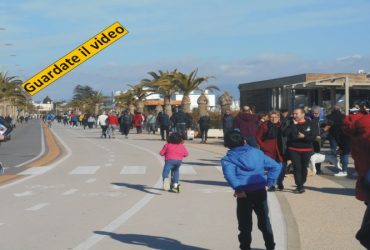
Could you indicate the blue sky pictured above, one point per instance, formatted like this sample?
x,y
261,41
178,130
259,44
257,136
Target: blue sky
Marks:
x,y
234,41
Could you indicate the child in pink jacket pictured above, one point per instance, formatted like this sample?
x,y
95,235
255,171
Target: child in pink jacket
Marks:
x,y
174,151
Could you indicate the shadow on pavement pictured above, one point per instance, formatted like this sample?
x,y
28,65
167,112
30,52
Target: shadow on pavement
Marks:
x,y
339,191
199,163
152,242
142,188
204,182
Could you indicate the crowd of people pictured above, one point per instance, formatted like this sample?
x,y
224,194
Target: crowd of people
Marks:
x,y
295,138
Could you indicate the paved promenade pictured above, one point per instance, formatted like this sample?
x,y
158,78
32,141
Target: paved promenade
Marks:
x,y
106,194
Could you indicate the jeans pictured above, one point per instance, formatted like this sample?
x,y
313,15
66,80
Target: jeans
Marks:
x,y
125,129
204,132
333,145
255,201
282,173
344,159
174,166
104,130
300,163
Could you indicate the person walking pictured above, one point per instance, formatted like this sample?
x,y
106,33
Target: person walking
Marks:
x,y
268,140
246,121
151,123
138,122
163,120
174,152
125,121
204,124
316,121
244,169
300,135
102,121
227,123
113,124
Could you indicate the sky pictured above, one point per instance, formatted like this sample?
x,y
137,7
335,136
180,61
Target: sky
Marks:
x,y
234,41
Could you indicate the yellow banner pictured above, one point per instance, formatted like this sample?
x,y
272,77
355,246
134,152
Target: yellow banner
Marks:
x,y
74,58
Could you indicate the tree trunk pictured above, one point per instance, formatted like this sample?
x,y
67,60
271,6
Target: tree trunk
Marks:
x,y
203,105
131,108
185,103
97,109
140,106
167,106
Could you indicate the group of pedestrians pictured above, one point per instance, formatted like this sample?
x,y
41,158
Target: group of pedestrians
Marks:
x,y
295,138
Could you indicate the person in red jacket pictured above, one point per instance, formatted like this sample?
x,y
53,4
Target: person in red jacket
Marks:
x,y
112,124
267,139
138,122
173,151
358,127
246,122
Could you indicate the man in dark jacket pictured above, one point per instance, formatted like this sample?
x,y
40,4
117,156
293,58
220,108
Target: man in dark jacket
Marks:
x,y
246,121
180,121
227,122
204,125
163,121
300,134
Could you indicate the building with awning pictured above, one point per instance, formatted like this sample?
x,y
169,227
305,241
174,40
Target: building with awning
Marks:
x,y
307,90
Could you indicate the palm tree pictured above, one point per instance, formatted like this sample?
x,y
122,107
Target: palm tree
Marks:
x,y
127,100
85,98
11,92
188,83
164,84
140,91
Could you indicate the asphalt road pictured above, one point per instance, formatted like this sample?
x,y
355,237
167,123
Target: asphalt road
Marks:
x,y
25,144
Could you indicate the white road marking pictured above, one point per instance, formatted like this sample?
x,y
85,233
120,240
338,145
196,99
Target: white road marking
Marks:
x,y
219,168
2,223
71,191
277,222
108,164
26,193
90,180
112,156
117,187
84,170
111,160
35,171
187,170
133,170
37,207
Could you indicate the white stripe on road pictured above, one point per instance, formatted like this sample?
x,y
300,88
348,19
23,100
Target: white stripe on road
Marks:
x,y
37,207
1,223
277,222
219,168
84,170
108,164
111,160
35,171
90,180
133,170
26,193
187,170
71,191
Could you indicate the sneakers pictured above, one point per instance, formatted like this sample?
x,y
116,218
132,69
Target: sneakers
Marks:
x,y
271,189
166,184
300,190
280,187
341,174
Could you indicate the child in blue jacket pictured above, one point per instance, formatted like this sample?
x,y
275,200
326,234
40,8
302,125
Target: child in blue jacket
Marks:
x,y
244,169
